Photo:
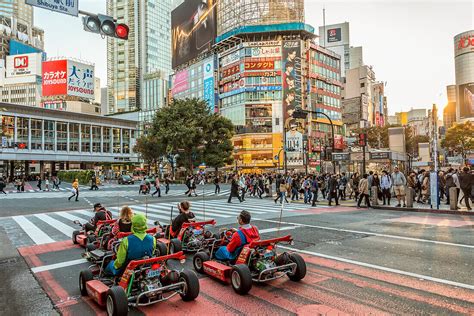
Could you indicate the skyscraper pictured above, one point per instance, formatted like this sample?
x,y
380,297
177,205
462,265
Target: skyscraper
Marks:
x,y
138,69
18,9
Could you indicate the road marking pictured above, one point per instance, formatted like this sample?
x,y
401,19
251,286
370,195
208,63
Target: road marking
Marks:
x,y
69,216
58,265
270,230
374,234
36,234
63,228
373,266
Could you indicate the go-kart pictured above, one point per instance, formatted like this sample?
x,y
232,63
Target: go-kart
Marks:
x,y
258,261
92,240
143,282
192,237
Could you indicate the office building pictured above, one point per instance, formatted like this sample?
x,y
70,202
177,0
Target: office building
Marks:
x,y
138,69
449,111
464,73
18,9
19,37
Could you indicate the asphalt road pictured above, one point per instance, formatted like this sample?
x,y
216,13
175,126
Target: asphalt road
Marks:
x,y
359,262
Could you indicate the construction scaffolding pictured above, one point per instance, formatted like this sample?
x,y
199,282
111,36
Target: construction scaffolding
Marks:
x,y
232,14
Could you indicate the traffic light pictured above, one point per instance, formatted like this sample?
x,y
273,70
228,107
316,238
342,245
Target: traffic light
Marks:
x,y
105,25
362,139
300,114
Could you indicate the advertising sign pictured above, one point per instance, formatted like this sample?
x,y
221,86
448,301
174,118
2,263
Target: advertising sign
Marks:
x,y
434,189
230,71
338,141
294,148
262,43
180,82
54,77
230,59
263,73
380,155
80,79
334,35
273,51
193,29
466,100
209,84
70,7
23,65
464,43
259,65
291,68
340,156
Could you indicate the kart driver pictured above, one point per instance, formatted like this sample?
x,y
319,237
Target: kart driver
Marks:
x,y
133,247
122,225
242,236
184,216
101,214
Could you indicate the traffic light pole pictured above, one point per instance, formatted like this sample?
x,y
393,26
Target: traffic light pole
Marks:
x,y
285,162
363,160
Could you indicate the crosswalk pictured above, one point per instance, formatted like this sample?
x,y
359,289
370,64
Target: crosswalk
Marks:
x,y
64,192
50,227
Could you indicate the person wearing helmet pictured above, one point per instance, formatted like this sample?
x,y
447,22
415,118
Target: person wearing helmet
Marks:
x,y
101,214
245,234
133,247
184,216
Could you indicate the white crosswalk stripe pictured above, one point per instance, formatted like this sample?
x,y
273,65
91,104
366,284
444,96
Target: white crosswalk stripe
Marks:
x,y
41,228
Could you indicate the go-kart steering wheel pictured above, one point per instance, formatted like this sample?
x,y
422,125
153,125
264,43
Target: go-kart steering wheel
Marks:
x,y
227,234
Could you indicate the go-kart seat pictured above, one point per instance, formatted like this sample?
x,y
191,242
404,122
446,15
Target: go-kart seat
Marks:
x,y
99,253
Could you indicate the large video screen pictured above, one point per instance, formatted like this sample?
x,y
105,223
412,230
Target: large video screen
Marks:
x,y
466,100
193,27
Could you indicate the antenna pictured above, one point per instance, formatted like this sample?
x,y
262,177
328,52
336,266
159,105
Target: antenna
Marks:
x,y
324,26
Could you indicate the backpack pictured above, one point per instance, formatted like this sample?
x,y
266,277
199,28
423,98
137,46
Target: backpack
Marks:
x,y
449,181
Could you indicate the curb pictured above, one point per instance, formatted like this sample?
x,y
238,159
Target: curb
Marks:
x,y
420,210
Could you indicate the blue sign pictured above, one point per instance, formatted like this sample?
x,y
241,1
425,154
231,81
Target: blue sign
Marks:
x,y
209,94
70,7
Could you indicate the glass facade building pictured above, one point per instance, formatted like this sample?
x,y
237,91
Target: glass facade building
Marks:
x,y
18,9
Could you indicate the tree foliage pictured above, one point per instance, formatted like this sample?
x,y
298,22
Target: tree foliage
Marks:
x,y
460,138
149,148
189,129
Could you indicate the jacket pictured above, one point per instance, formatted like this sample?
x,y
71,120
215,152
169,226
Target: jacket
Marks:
x,y
364,186
465,180
251,234
332,185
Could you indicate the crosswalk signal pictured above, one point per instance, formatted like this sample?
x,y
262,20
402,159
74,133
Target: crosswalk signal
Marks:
x,y
362,139
105,25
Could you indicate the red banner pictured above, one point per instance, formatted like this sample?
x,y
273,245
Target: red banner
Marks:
x,y
55,77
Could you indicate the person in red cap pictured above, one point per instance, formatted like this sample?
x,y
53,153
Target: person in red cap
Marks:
x,y
245,234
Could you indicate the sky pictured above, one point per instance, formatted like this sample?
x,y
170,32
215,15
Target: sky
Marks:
x,y
408,43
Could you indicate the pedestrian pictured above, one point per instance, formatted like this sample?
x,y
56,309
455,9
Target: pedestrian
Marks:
x,y
281,189
188,184
192,186
18,184
466,181
217,190
38,183
75,190
243,186
425,187
157,187
234,190
294,190
307,190
332,190
46,184
441,185
411,183
355,181
385,186
343,185
399,181
92,182
314,190
376,184
167,184
2,185
22,186
364,191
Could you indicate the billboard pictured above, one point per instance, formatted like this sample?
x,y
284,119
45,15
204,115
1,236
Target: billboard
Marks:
x,y
294,148
334,35
291,68
180,82
466,100
54,77
68,77
209,93
23,65
19,48
464,43
193,29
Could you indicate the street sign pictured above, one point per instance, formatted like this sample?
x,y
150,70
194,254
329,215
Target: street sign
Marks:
x,y
380,155
70,7
340,156
4,141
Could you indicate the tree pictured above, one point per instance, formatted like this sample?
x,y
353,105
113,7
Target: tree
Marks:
x,y
150,149
188,128
460,138
377,136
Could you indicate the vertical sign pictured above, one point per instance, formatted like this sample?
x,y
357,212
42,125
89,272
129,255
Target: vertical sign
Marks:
x,y
80,80
209,84
434,189
294,148
54,77
291,77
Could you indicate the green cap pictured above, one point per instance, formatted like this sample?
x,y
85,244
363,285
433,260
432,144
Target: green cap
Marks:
x,y
139,223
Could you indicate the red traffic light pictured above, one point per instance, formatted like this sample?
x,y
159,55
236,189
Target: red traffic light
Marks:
x,y
362,139
121,31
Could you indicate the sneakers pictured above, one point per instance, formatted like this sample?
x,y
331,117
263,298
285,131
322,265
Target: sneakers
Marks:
x,y
404,205
398,205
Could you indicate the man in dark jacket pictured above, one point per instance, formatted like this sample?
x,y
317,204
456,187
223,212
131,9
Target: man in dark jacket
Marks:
x,y
234,190
100,214
2,185
332,189
466,181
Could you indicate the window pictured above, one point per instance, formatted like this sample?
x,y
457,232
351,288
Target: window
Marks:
x,y
22,132
73,136
362,85
96,139
116,140
106,140
85,138
61,134
126,141
36,134
49,131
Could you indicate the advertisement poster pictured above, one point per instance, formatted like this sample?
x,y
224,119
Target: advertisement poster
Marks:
x,y
466,100
294,148
209,84
180,82
334,35
23,65
80,80
193,29
54,77
291,77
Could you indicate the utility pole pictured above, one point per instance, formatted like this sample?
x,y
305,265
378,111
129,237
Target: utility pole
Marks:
x,y
285,162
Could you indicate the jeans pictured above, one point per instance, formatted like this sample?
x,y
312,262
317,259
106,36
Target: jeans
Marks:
x,y
307,196
294,194
281,196
157,190
367,200
167,188
218,189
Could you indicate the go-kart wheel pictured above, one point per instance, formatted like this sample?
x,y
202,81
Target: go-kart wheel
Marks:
x,y
300,271
198,261
116,302
175,245
191,287
91,247
74,235
161,249
241,279
84,277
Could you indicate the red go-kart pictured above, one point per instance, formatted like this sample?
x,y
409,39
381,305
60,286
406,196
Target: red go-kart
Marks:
x,y
192,237
92,240
258,261
144,282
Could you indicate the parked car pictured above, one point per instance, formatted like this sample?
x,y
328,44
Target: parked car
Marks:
x,y
125,179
